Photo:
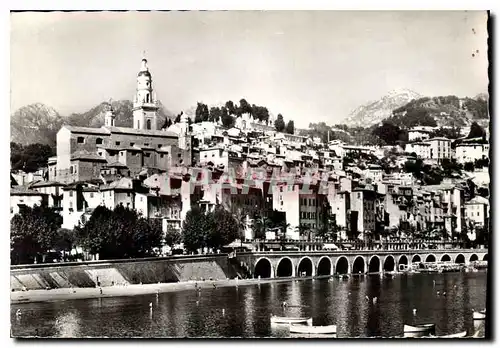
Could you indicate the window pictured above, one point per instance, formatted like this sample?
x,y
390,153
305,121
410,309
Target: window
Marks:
x,y
281,202
128,194
117,143
161,156
159,146
80,140
477,213
138,124
141,199
148,122
179,155
146,144
71,170
99,153
71,193
91,194
146,155
132,144
121,153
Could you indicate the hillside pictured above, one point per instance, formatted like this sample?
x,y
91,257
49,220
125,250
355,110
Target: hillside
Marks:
x,y
375,111
38,123
440,111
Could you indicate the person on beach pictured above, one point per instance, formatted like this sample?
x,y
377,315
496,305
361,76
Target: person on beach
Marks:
x,y
100,290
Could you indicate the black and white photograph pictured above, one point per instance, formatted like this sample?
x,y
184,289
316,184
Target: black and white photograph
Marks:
x,y
250,174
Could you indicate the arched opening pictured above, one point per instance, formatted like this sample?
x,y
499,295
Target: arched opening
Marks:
x,y
445,258
403,260
485,257
148,124
285,268
430,258
374,265
416,258
460,259
324,266
389,263
138,124
358,266
147,97
305,267
263,269
473,257
342,266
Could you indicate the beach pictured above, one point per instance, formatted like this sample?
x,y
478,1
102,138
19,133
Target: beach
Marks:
x,y
63,294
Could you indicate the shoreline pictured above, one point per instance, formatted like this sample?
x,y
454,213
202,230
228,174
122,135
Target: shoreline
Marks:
x,y
63,294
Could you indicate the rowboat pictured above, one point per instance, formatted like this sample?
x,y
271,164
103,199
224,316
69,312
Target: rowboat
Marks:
x,y
457,335
303,329
290,320
480,315
419,330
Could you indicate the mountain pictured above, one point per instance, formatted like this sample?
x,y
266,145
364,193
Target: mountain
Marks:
x,y
375,111
35,123
38,123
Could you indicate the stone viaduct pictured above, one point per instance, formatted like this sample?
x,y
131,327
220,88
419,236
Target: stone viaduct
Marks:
x,y
271,264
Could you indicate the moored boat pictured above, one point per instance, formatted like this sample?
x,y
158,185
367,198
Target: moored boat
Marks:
x,y
456,335
290,320
419,330
479,315
303,329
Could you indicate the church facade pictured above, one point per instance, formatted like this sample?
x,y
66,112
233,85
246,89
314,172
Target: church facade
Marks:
x,y
85,154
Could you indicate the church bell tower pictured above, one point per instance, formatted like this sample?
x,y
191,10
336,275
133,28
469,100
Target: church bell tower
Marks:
x,y
145,109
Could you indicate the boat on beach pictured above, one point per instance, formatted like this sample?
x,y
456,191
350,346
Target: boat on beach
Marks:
x,y
479,315
419,330
290,320
304,329
456,335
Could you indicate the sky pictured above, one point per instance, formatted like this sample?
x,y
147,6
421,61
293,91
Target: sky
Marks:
x,y
310,66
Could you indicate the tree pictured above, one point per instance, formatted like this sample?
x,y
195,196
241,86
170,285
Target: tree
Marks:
x,y
279,124
227,120
29,158
245,107
388,132
33,233
178,118
222,226
167,123
469,166
230,107
215,114
172,237
476,131
290,127
120,233
260,225
194,234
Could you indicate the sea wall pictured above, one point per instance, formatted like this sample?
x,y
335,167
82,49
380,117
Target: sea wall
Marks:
x,y
146,271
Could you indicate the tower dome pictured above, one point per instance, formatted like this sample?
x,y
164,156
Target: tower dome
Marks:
x,y
144,68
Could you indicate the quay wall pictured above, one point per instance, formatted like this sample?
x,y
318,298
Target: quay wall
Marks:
x,y
146,271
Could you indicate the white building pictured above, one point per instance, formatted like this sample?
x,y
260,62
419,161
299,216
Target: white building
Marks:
x,y
469,152
477,210
418,133
421,149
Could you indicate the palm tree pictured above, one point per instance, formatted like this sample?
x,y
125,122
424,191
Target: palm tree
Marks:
x,y
260,225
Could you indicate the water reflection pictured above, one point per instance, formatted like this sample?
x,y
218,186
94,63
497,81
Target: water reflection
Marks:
x,y
245,312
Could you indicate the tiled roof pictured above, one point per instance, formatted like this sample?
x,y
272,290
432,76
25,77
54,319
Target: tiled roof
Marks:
x,y
48,183
88,130
24,191
116,165
145,132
